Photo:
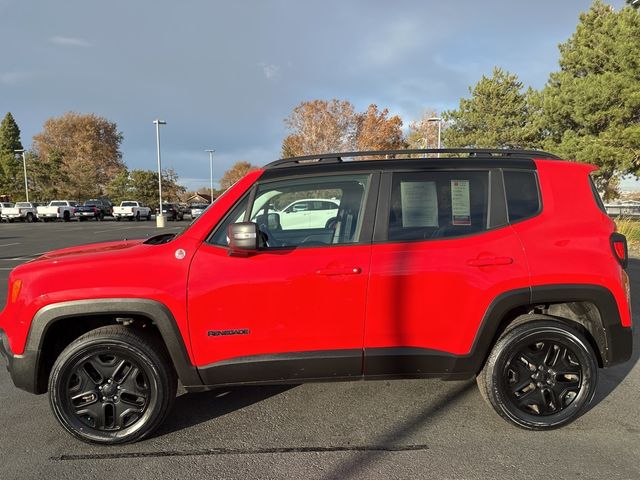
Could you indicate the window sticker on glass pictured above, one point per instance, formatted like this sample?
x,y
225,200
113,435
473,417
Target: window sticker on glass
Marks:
x,y
460,204
419,204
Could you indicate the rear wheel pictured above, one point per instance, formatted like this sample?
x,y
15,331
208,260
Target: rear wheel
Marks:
x,y
137,216
149,216
112,386
540,373
66,216
29,217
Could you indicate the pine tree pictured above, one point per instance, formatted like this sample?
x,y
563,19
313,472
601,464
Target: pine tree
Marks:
x,y
590,109
497,115
10,164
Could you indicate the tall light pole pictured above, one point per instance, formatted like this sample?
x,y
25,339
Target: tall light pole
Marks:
x,y
210,173
439,120
160,217
24,167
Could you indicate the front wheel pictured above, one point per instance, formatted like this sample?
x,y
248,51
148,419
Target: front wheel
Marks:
x,y
540,374
112,386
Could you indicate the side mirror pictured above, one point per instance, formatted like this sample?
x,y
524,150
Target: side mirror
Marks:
x,y
243,237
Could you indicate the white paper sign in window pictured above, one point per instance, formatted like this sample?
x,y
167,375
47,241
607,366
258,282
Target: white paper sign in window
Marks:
x,y
419,204
460,203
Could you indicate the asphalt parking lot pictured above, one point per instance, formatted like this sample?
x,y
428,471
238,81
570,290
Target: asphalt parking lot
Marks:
x,y
402,429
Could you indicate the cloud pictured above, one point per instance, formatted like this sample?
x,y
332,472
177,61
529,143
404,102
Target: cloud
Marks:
x,y
69,41
271,71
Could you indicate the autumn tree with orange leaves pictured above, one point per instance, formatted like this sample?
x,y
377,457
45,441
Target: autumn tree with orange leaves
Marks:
x,y
235,173
375,130
84,147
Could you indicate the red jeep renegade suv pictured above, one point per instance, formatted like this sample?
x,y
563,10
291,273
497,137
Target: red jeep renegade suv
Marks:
x,y
498,264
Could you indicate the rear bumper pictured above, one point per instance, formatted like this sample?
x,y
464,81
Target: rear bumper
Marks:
x,y
22,368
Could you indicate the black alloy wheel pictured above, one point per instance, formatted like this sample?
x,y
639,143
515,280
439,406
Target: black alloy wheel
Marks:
x,y
540,374
112,386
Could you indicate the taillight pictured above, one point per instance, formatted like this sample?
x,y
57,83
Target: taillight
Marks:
x,y
619,247
59,209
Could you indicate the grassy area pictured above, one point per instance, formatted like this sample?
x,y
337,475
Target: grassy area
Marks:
x,y
630,228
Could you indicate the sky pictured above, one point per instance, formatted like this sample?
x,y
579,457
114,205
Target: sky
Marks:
x,y
224,75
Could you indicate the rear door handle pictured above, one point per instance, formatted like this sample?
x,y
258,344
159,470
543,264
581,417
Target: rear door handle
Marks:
x,y
489,261
339,271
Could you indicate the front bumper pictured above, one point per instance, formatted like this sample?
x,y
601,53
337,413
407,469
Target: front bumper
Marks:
x,y
22,368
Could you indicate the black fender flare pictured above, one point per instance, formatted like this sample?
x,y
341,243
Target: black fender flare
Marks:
x,y
25,370
613,341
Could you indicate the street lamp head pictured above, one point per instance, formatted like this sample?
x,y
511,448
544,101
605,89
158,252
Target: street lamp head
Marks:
x,y
210,151
159,122
19,150
434,119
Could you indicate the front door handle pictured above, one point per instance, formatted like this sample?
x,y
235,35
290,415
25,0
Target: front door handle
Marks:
x,y
339,271
489,261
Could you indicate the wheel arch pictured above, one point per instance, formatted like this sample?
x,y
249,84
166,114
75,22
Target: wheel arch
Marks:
x,y
75,318
592,307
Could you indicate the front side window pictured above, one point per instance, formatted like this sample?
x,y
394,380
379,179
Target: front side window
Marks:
x,y
426,205
311,211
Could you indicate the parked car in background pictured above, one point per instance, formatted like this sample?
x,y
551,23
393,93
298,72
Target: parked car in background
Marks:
x,y
96,208
132,210
57,209
24,211
309,212
5,205
173,211
198,209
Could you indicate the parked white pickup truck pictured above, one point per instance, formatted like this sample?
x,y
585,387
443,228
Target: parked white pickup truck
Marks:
x,y
25,211
63,209
132,210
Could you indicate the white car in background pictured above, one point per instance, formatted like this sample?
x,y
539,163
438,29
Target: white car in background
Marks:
x,y
25,211
308,213
5,205
57,209
198,209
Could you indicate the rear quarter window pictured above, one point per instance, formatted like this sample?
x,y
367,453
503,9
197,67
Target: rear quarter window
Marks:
x,y
523,195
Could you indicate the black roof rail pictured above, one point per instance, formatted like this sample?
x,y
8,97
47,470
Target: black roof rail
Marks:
x,y
470,152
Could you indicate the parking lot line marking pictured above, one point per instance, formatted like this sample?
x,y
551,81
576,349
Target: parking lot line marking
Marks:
x,y
243,451
9,244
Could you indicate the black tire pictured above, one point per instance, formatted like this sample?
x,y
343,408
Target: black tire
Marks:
x,y
149,217
100,216
137,216
29,217
540,374
117,219
112,386
66,216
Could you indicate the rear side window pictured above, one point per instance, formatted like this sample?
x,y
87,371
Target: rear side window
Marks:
x,y
596,196
523,198
427,205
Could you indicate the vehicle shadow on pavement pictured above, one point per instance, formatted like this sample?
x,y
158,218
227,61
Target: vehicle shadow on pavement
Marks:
x,y
196,408
352,468
610,378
